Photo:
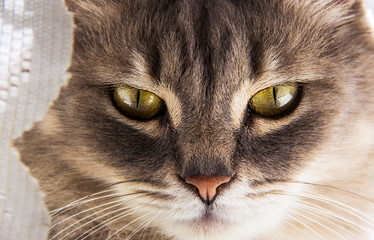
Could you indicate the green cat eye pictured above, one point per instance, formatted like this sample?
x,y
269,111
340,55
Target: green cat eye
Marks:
x,y
137,103
275,100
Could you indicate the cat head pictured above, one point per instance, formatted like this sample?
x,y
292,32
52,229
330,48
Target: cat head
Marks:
x,y
251,108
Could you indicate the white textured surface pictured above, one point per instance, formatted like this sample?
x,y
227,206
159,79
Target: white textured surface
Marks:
x,y
369,4
35,45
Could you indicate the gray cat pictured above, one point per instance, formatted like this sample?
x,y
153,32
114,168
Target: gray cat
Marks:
x,y
211,119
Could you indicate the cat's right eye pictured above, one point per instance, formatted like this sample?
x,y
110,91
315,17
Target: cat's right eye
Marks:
x,y
274,101
136,103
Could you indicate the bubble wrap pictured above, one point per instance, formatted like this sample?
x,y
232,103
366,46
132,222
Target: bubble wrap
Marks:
x,y
35,47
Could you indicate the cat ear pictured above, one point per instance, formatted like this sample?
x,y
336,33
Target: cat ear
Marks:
x,y
349,4
75,5
94,7
350,7
71,5
93,12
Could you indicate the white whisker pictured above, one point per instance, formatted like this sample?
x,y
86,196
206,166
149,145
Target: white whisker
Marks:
x,y
56,211
80,220
304,224
124,227
142,227
296,228
155,233
298,221
91,220
320,217
354,212
90,209
339,205
85,224
321,210
326,214
108,221
274,234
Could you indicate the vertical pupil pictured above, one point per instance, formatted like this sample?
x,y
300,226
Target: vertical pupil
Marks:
x,y
137,98
274,96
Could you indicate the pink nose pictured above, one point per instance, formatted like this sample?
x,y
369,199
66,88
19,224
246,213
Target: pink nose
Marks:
x,y
207,185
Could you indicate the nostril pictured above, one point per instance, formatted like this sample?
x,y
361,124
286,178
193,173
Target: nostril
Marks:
x,y
207,185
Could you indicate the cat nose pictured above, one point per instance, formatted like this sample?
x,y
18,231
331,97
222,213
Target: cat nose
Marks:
x,y
207,185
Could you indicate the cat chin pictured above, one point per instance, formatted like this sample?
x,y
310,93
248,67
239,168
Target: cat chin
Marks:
x,y
221,222
209,228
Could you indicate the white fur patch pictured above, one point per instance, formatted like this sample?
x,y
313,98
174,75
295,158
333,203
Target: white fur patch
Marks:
x,y
370,19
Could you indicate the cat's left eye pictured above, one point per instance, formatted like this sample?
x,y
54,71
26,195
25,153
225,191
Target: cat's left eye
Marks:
x,y
275,100
136,103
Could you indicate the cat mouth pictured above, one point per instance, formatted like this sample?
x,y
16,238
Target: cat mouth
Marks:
x,y
209,219
214,215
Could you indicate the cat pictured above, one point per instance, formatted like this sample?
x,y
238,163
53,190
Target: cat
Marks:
x,y
211,119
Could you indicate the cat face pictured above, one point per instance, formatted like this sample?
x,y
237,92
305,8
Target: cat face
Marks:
x,y
212,162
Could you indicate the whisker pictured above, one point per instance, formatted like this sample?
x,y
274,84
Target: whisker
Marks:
x,y
337,217
341,206
155,233
323,216
88,201
275,234
108,221
145,227
90,209
296,228
142,227
313,213
75,229
124,227
304,224
330,187
120,182
297,220
119,195
130,222
77,202
330,214
55,211
95,213
91,220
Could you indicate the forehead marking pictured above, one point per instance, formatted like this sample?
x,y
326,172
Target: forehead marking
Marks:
x,y
239,103
141,78
145,81
173,105
246,90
